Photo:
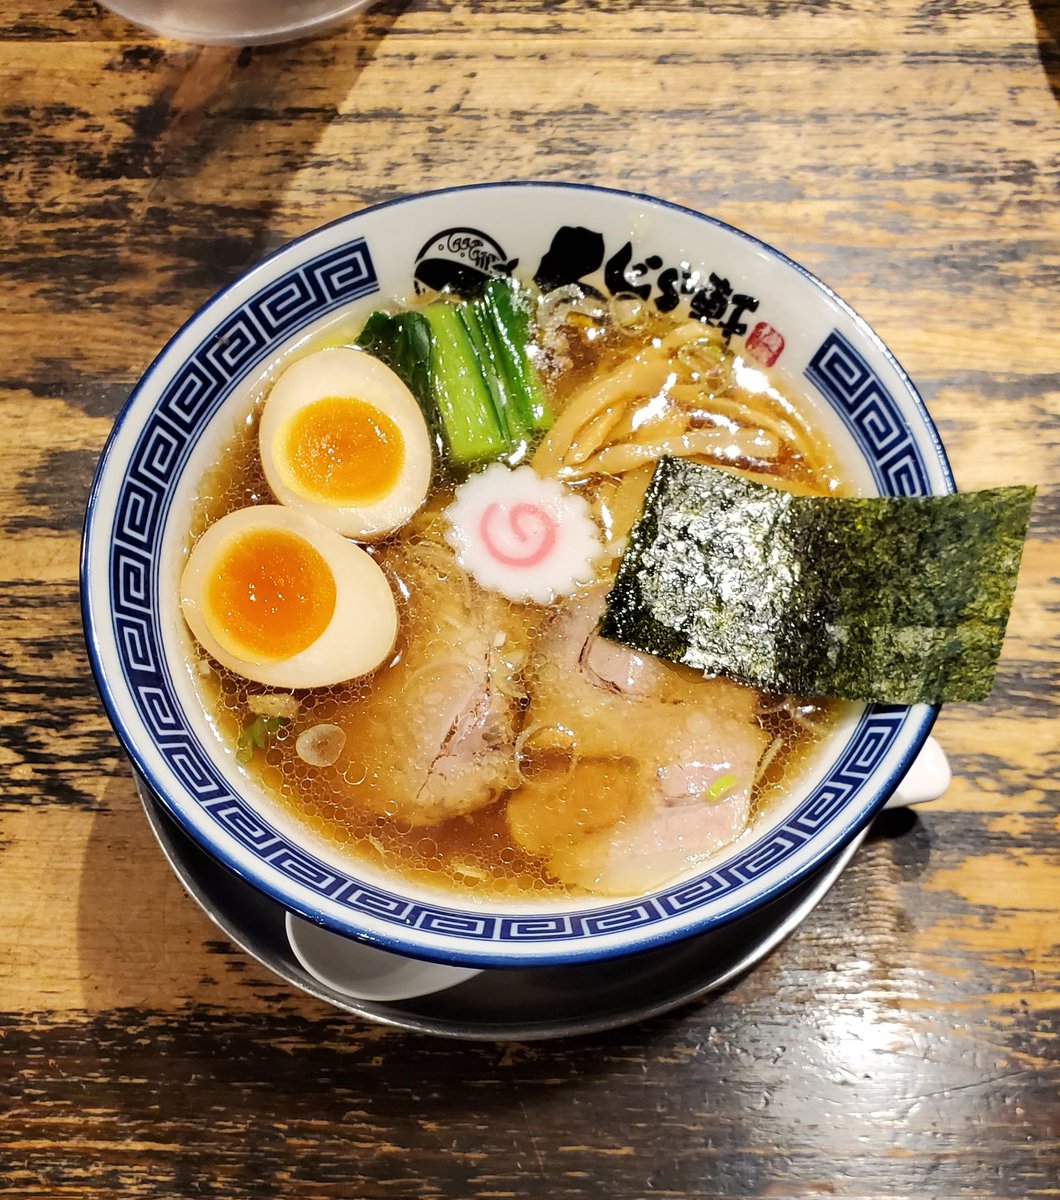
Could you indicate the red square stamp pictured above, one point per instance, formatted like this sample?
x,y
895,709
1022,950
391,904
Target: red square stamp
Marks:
x,y
764,344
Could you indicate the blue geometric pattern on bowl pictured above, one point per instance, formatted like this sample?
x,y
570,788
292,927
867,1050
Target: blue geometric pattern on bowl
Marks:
x,y
275,313
868,410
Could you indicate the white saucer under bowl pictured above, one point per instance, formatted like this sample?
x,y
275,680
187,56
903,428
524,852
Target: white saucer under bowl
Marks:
x,y
520,1004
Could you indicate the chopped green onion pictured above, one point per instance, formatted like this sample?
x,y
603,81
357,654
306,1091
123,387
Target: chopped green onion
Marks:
x,y
721,785
255,734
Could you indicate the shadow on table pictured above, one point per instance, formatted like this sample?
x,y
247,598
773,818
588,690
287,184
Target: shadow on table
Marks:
x,y
225,142
1047,23
139,936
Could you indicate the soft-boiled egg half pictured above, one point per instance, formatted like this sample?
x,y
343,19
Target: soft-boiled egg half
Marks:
x,y
343,439
285,601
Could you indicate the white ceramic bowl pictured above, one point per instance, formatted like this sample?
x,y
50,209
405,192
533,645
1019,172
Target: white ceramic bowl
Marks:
x,y
189,401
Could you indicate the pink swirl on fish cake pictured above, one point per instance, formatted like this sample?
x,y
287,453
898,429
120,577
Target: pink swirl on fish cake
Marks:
x,y
531,525
528,538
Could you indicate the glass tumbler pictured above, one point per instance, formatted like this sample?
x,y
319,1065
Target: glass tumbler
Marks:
x,y
236,22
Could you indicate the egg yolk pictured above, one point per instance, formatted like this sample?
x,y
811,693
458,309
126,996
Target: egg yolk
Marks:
x,y
269,595
342,451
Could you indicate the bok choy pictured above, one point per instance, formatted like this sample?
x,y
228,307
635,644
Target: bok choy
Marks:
x,y
470,367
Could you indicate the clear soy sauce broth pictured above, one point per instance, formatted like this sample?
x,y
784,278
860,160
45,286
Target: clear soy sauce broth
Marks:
x,y
357,805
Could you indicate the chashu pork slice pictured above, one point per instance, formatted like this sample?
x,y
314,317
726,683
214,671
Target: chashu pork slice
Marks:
x,y
439,739
653,765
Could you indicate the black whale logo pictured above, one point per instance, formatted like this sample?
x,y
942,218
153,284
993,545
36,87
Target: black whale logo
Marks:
x,y
460,260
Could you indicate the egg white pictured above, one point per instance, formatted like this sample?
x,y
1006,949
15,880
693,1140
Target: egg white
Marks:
x,y
361,632
344,371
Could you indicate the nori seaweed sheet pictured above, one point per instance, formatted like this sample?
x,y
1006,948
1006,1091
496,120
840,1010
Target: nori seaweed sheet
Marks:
x,y
898,600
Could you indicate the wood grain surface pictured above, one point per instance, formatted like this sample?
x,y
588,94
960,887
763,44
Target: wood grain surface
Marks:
x,y
904,1042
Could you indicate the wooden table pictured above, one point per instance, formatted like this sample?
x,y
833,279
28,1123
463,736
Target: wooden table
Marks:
x,y
904,1042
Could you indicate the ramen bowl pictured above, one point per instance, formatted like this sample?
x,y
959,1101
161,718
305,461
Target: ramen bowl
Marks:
x,y
186,406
